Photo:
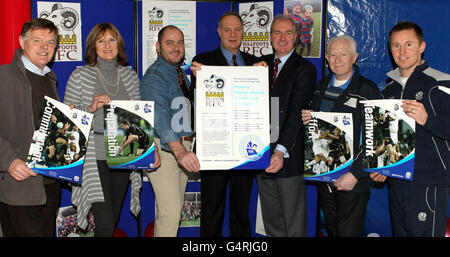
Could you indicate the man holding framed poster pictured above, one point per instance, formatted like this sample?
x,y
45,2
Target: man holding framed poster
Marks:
x,y
214,182
282,190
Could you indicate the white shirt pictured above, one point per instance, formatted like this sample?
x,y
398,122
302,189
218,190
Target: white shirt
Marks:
x,y
33,68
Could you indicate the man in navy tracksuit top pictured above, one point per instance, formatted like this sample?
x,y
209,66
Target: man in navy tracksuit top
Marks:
x,y
419,207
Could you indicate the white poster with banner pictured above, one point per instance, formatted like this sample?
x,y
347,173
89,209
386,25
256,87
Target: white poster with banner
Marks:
x,y
232,117
67,17
158,14
257,18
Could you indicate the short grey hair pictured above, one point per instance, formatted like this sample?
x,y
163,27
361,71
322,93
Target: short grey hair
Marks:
x,y
282,17
342,37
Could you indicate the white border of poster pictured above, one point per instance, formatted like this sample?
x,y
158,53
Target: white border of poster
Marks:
x,y
158,14
67,17
232,117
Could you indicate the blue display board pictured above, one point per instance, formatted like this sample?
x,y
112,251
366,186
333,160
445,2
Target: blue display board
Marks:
x,y
369,21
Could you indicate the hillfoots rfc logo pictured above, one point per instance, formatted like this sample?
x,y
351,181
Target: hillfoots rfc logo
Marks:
x,y
256,18
155,19
214,96
66,16
251,148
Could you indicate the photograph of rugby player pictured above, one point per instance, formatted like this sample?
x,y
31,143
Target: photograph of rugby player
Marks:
x,y
326,149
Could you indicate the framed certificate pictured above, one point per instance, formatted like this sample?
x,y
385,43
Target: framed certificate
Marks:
x,y
232,117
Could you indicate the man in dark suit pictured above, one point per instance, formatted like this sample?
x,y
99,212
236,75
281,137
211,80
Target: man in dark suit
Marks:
x,y
214,182
282,190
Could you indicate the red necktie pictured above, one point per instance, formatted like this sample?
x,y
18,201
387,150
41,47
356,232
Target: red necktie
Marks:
x,y
185,90
275,71
234,60
182,83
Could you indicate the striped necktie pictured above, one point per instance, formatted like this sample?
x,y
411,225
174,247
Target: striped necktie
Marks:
x,y
275,71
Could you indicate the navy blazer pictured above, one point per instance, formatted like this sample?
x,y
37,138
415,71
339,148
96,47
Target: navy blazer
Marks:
x,y
294,88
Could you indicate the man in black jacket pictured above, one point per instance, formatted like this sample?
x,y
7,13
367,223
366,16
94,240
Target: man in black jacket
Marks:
x,y
214,182
419,207
344,202
282,190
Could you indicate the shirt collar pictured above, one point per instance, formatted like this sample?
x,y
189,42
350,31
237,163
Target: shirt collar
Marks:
x,y
33,68
284,58
229,56
345,85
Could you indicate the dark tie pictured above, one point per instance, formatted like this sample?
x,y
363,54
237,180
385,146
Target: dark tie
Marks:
x,y
234,60
186,94
275,71
182,83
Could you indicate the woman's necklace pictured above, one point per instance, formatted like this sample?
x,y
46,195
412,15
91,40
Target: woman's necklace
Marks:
x,y
115,84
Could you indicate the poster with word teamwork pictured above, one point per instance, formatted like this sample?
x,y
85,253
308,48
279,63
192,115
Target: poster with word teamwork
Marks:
x,y
388,136
129,134
59,145
328,146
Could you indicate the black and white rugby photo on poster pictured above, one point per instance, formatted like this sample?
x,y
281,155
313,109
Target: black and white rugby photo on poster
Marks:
x,y
328,147
389,139
59,145
129,134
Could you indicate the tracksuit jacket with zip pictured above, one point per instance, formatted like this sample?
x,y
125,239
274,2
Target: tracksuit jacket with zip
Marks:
x,y
432,149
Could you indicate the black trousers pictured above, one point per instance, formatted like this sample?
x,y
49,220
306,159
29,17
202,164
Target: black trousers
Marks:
x,y
213,196
418,210
345,211
32,221
106,214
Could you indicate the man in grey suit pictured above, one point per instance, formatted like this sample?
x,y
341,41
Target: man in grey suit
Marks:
x,y
282,190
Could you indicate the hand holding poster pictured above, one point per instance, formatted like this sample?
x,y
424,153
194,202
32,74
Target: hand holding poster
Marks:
x,y
59,146
329,146
389,139
129,142
232,117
